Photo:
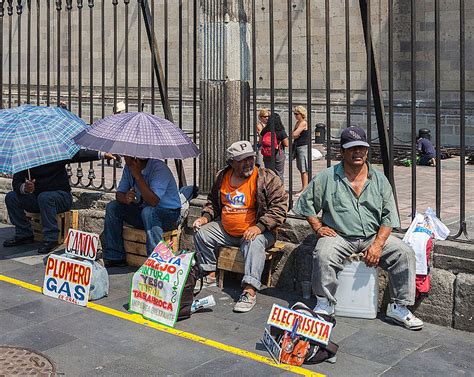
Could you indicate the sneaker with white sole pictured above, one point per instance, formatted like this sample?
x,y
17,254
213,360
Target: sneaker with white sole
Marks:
x,y
323,306
402,316
245,303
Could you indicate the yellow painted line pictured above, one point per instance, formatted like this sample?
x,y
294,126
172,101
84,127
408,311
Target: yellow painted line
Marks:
x,y
182,334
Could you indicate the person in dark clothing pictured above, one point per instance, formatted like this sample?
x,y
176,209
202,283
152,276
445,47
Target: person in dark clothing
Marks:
x,y
280,142
426,151
43,189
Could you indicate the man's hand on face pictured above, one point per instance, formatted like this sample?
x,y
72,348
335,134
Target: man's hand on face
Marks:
x,y
372,254
130,196
30,186
251,233
135,167
326,231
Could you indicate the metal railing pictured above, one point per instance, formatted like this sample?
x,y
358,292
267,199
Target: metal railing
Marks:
x,y
346,68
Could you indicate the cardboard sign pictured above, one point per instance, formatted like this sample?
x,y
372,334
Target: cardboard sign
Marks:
x,y
308,326
67,279
82,244
271,345
157,286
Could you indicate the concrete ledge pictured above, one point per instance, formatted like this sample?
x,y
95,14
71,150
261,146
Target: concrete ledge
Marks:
x,y
450,302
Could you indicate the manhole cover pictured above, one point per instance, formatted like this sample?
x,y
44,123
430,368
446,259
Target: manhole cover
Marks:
x,y
15,361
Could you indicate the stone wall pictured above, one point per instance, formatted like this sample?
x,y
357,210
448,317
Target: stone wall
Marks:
x,y
450,302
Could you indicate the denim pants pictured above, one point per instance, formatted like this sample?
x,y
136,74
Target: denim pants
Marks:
x,y
397,258
48,204
153,220
212,235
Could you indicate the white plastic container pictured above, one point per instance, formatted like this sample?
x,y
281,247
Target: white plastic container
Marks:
x,y
357,293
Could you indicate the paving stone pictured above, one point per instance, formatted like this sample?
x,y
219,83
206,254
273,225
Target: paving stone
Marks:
x,y
376,347
11,295
10,321
36,337
229,365
443,355
349,365
128,366
380,326
464,302
44,309
80,355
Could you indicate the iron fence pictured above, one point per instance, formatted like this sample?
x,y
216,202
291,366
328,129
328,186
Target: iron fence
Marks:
x,y
390,66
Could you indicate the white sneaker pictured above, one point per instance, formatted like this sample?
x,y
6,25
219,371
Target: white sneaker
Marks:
x,y
402,316
323,306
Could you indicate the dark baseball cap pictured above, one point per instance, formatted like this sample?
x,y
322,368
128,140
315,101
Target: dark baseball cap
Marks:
x,y
352,137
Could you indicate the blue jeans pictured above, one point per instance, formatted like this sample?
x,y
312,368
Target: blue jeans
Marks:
x,y
48,204
153,220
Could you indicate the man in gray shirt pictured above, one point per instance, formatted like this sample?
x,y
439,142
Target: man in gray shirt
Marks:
x,y
358,214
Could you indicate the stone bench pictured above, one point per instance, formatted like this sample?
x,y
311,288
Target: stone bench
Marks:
x,y
66,220
231,259
134,242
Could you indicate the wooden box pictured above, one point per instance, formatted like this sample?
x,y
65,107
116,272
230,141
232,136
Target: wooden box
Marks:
x,y
66,220
134,241
231,259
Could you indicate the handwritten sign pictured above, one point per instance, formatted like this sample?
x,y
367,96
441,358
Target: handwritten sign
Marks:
x,y
271,345
67,279
82,244
308,326
158,285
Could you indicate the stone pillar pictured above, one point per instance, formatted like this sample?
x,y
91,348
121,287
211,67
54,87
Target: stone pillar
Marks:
x,y
224,83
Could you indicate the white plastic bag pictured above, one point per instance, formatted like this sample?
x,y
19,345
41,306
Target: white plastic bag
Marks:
x,y
423,227
99,279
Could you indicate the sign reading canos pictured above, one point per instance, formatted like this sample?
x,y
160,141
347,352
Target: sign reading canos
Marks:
x,y
158,285
82,244
67,279
308,326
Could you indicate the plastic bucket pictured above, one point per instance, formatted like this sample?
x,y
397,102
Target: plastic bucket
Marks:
x,y
357,293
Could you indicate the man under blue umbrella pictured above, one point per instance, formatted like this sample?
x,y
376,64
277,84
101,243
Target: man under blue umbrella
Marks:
x,y
44,189
35,146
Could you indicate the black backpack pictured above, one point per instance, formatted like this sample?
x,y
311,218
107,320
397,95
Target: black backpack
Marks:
x,y
187,298
317,352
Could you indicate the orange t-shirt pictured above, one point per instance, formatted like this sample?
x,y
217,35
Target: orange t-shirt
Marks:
x,y
238,204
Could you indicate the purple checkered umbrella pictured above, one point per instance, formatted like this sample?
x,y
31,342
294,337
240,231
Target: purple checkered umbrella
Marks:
x,y
138,135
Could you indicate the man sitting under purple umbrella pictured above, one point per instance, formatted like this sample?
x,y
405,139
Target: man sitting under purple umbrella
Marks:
x,y
44,189
147,198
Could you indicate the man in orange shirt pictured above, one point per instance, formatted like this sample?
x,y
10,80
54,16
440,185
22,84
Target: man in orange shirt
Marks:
x,y
244,208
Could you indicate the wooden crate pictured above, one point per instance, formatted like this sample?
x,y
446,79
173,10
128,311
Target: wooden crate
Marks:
x,y
134,241
66,221
231,259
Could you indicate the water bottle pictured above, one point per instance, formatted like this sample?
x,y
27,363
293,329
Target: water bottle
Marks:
x,y
203,303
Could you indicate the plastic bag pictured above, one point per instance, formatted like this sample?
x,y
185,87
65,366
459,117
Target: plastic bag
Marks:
x,y
99,279
422,229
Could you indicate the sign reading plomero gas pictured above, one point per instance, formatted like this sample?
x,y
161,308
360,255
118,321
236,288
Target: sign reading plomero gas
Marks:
x,y
308,326
67,279
82,244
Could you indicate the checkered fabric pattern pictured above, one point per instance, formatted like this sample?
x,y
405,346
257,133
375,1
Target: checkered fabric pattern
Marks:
x,y
138,135
31,136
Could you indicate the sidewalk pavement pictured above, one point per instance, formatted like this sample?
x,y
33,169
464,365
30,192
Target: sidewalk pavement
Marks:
x,y
83,341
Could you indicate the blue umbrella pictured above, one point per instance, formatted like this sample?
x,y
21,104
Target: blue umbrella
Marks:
x,y
31,136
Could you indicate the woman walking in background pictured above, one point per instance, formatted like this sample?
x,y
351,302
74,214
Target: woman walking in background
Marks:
x,y
301,139
280,141
263,115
